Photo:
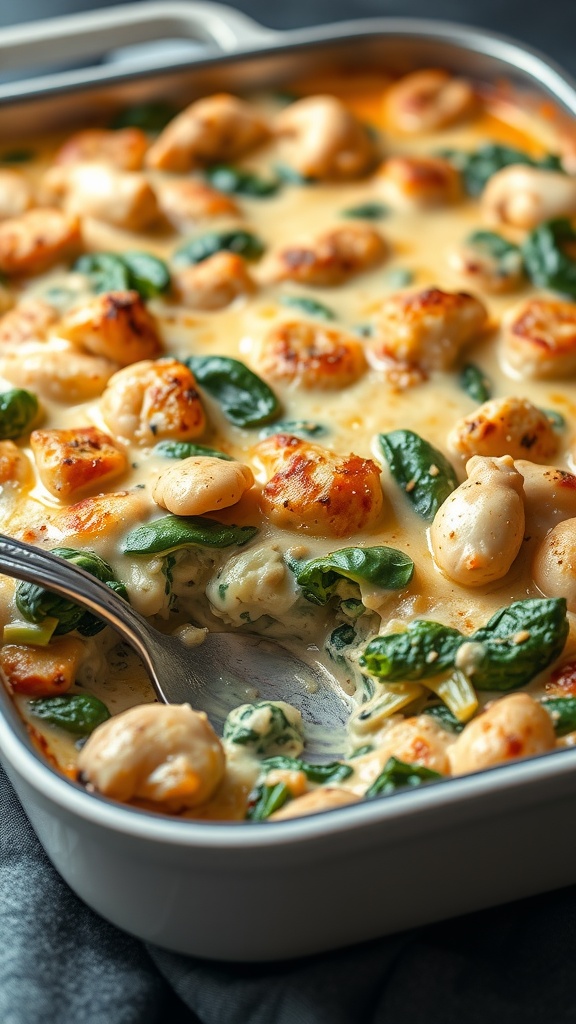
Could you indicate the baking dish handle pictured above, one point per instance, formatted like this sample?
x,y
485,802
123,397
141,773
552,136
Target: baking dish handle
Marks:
x,y
90,35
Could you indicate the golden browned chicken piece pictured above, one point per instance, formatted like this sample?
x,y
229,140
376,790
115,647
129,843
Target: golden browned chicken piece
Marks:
x,y
329,259
71,461
153,400
427,100
323,140
37,239
217,128
214,283
116,325
123,148
427,328
311,355
315,490
539,338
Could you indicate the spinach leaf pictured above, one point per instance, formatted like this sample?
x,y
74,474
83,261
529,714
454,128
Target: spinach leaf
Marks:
x,y
424,473
547,261
244,243
265,727
78,713
556,420
36,603
477,166
380,566
396,775
399,277
172,532
235,181
442,714
300,428
423,650
139,271
18,410
17,156
367,748
186,449
367,211
340,638
105,271
336,771
244,398
147,274
267,799
308,305
518,642
562,711
505,258
492,244
291,176
150,117
475,383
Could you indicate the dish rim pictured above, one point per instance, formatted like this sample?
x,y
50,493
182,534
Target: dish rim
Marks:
x,y
16,746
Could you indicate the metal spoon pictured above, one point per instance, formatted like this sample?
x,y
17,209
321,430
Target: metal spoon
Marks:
x,y
213,676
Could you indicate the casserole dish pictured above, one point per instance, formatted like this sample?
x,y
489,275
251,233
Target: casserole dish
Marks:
x,y
208,889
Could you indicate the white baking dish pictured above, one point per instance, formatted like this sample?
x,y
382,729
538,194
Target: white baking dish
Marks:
x,y
267,891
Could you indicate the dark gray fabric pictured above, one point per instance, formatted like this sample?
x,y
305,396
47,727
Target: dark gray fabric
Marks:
x,y
62,964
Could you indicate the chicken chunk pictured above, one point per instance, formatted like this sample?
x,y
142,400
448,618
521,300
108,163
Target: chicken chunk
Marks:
x,y
523,197
427,100
539,339
418,182
201,484
215,129
428,328
478,531
153,401
59,375
185,202
505,426
37,239
124,199
330,259
324,140
42,671
70,461
116,325
167,754
15,194
28,321
314,489
123,148
214,283
311,355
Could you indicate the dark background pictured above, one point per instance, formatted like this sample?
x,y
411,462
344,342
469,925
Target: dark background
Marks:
x,y
550,26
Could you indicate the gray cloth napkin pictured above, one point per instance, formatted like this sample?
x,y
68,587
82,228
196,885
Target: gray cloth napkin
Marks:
x,y
60,963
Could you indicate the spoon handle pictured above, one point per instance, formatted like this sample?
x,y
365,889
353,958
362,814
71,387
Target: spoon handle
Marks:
x,y
35,565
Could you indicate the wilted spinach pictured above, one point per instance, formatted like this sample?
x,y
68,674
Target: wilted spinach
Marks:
x,y
425,474
172,532
397,775
379,566
244,398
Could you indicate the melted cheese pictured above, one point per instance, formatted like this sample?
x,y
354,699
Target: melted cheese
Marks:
x,y
258,581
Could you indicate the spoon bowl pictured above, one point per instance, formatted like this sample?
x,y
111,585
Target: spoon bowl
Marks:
x,y
225,670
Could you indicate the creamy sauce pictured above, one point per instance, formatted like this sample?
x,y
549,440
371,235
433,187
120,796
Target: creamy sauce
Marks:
x,y
420,243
